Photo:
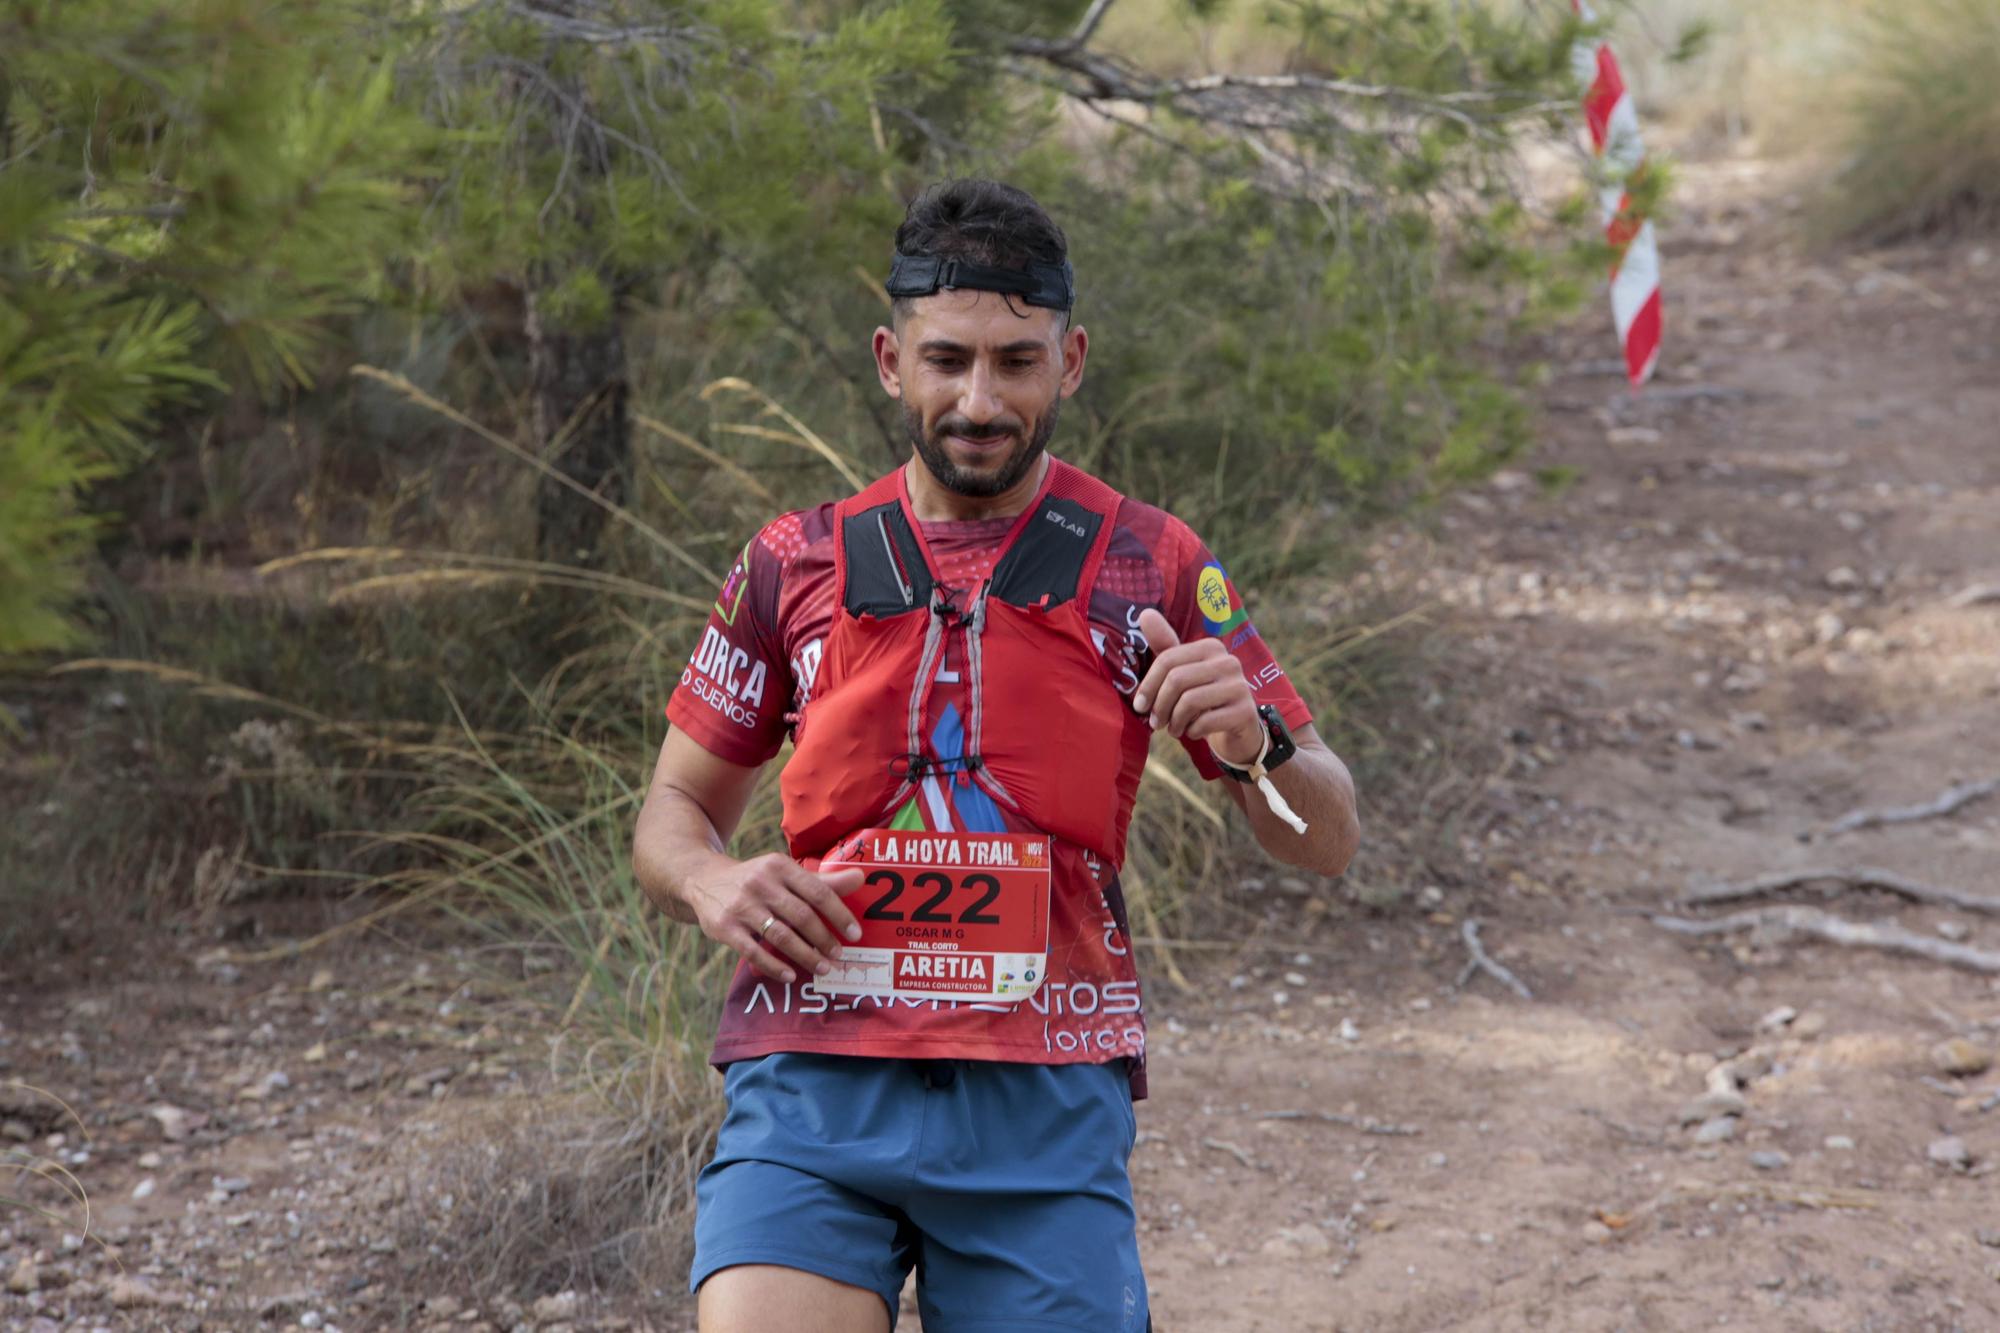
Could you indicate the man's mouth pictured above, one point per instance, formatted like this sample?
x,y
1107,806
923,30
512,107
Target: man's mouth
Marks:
x,y
980,443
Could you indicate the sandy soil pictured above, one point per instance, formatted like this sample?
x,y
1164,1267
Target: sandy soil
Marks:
x,y
1755,608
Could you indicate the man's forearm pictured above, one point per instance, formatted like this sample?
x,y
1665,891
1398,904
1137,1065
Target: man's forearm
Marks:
x,y
1318,788
672,845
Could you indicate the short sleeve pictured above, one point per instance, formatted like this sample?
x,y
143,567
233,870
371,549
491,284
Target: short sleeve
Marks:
x,y
1202,602
733,692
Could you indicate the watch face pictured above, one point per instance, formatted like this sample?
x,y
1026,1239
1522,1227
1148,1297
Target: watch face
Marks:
x,y
1282,745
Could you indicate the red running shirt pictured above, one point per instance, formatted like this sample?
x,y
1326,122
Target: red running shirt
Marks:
x,y
755,666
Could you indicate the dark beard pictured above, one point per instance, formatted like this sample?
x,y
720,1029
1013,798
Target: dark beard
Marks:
x,y
978,485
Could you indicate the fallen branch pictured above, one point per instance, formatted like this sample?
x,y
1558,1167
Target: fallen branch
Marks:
x,y
1861,877
1366,1124
1232,1149
1815,924
1949,800
1481,961
1694,1191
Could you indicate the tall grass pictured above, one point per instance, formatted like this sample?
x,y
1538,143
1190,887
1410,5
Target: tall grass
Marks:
x,y
1920,128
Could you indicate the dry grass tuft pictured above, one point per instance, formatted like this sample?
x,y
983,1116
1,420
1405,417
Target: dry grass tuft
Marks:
x,y
530,1196
1920,129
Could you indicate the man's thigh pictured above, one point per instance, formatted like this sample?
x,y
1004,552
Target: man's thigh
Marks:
x,y
802,1183
1025,1206
764,1298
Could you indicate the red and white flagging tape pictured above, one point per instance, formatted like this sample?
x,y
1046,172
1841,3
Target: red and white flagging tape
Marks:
x,y
1614,134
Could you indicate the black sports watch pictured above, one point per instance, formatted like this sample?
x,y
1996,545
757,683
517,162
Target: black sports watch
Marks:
x,y
1278,745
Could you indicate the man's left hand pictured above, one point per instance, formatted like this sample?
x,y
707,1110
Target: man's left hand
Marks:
x,y
1197,690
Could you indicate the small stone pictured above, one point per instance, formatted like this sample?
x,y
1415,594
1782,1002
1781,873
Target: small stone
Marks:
x,y
1949,1151
144,1189
1839,1143
1810,1024
26,1277
1988,1237
1961,1057
1827,627
311,1319
150,1161
1430,896
1770,1283
1712,1104
1722,1128
1777,1018
232,1185
127,1291
421,1084
1348,1031
1295,979
1843,579
321,980
173,1122
1303,1240
562,1305
17,1130
1770,1160
315,1053
1596,1233
1293,885
442,1307
1952,930
1747,1067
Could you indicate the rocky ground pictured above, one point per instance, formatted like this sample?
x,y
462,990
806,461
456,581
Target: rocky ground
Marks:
x,y
1766,594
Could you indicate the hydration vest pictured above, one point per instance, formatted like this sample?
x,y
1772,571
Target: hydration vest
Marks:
x,y
1046,729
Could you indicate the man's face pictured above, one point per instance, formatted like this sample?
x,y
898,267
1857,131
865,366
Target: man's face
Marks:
x,y
981,379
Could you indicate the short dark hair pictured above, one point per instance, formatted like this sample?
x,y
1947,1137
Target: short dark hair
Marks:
x,y
984,221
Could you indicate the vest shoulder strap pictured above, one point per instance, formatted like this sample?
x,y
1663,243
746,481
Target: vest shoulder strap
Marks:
x,y
1057,555
879,564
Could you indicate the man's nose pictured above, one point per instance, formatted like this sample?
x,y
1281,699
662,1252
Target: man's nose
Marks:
x,y
977,400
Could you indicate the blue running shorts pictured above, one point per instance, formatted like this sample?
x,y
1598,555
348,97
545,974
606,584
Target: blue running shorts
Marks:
x,y
1003,1184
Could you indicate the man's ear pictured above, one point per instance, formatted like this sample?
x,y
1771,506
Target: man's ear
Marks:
x,y
1076,346
889,361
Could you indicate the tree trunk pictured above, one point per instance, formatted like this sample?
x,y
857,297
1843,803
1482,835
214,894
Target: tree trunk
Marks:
x,y
576,379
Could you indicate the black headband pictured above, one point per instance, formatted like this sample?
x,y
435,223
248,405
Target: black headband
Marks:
x,y
1052,286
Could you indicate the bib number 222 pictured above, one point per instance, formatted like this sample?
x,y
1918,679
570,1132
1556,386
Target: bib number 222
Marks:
x,y
959,916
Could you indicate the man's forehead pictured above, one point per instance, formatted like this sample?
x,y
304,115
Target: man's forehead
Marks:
x,y
974,318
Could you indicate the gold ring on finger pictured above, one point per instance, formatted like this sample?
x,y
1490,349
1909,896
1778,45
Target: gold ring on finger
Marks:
x,y
769,921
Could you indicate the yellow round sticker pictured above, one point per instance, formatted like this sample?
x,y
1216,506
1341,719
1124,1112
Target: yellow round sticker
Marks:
x,y
1212,591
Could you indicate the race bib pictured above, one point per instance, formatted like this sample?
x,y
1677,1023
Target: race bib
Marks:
x,y
944,916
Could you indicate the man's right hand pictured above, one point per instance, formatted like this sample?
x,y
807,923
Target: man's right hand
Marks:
x,y
734,902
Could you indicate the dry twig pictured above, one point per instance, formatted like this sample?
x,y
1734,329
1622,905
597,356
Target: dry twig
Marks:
x,y
1222,1145
1815,924
1481,961
1947,801
1366,1124
1863,877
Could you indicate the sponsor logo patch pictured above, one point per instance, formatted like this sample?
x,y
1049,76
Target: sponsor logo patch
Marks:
x,y
1221,609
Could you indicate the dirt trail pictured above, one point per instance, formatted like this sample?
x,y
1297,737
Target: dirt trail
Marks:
x,y
1741,621
1737,625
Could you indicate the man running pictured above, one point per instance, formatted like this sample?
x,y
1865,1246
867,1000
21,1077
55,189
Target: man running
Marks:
x,y
934,1036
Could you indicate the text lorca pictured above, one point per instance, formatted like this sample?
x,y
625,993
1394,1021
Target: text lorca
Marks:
x,y
922,851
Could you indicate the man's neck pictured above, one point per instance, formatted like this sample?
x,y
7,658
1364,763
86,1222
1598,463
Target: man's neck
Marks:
x,y
935,503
